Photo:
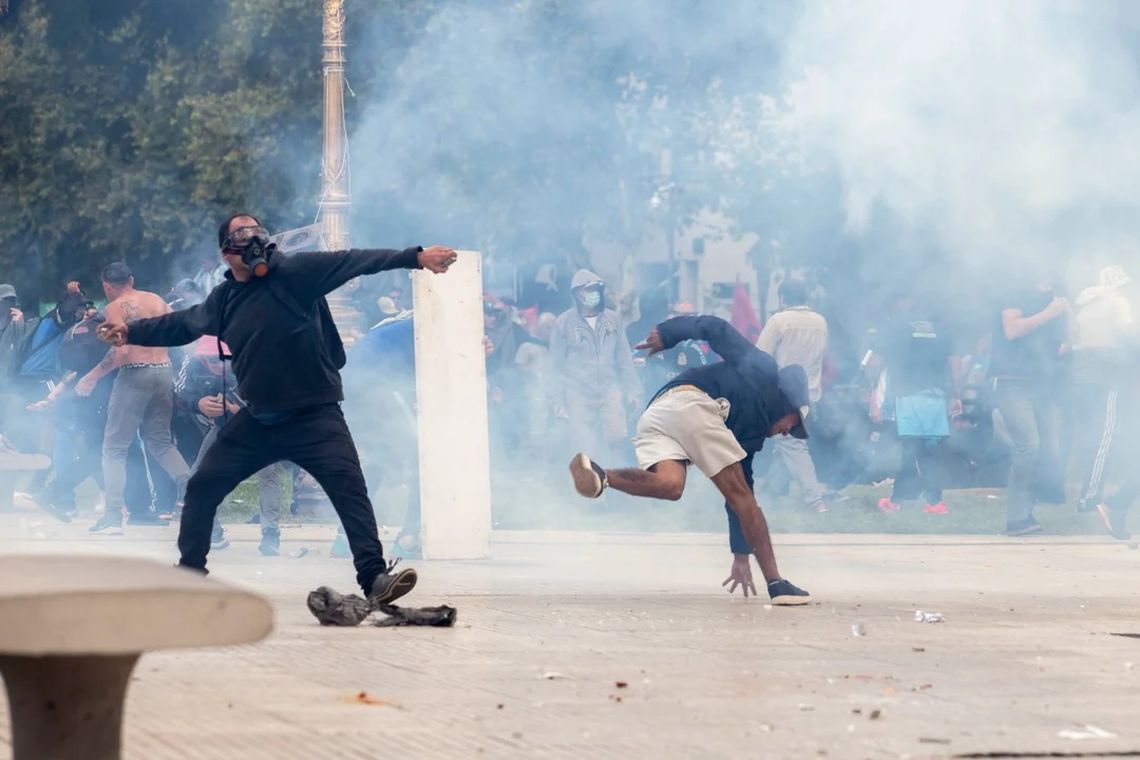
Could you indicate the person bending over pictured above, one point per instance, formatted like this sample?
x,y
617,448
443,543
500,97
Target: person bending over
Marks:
x,y
716,417
286,355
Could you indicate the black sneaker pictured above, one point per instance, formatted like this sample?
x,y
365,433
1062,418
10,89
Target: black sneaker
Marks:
x,y
1025,527
218,540
147,519
390,586
589,478
270,545
1115,520
786,594
110,524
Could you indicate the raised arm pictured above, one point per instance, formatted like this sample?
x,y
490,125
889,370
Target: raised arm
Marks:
x,y
1016,325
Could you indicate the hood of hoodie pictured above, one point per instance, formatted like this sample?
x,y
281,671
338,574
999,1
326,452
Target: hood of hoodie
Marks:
x,y
584,277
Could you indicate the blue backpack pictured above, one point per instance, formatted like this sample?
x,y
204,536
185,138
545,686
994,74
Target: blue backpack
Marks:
x,y
41,355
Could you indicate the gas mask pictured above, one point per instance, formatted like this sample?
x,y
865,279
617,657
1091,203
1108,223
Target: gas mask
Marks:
x,y
591,298
252,243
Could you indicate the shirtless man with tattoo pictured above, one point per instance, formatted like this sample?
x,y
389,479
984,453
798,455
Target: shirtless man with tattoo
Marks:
x,y
142,398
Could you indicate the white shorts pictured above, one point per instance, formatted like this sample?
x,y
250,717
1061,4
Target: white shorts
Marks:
x,y
686,424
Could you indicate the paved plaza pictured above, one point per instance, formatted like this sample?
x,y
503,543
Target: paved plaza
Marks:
x,y
616,645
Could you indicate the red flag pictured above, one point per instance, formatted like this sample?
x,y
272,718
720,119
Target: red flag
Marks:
x,y
744,317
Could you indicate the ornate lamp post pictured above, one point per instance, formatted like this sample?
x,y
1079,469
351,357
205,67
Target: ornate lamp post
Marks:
x,y
335,193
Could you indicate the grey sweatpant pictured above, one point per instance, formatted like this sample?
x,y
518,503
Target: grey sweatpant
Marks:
x,y
793,462
269,482
142,401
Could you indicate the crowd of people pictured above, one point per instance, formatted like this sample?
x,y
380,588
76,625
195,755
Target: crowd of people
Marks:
x,y
1048,383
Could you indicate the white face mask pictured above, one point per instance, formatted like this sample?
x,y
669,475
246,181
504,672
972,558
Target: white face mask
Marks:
x,y
591,298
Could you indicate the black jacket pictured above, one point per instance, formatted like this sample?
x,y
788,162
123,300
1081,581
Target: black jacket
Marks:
x,y
281,361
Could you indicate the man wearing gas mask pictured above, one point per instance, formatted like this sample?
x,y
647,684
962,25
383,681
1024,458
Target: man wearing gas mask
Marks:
x,y
592,368
287,355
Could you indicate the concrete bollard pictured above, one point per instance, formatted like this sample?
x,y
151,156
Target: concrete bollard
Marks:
x,y
451,401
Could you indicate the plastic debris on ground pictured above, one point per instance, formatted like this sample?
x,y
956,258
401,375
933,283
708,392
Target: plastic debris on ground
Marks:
x,y
1089,732
921,616
858,630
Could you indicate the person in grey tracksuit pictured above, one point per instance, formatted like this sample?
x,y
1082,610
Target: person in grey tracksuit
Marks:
x,y
593,377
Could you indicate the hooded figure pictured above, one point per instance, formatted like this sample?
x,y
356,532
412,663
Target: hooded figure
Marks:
x,y
592,371
14,331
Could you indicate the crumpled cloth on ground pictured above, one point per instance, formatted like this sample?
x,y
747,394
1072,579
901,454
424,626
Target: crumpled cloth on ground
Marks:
x,y
332,608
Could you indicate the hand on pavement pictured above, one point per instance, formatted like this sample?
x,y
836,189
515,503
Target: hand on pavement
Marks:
x,y
740,575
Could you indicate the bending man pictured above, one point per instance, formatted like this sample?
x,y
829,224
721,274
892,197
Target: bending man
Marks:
x,y
271,312
716,417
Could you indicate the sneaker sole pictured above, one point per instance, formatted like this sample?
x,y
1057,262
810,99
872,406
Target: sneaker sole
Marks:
x,y
586,481
791,601
404,582
1024,531
115,530
1106,518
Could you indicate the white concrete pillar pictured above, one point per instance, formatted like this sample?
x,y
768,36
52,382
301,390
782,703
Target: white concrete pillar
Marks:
x,y
451,402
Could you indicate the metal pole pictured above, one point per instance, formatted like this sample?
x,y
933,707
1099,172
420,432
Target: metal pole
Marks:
x,y
335,192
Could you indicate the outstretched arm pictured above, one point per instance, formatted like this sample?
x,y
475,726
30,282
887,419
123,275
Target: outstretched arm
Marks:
x,y
315,274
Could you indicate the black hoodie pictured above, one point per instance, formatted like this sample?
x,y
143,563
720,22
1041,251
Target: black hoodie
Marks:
x,y
281,361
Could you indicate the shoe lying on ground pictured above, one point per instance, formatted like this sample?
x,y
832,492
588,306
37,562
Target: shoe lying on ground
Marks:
x,y
390,585
936,509
270,545
886,505
147,519
1022,528
218,540
589,478
1115,520
109,524
785,594
340,548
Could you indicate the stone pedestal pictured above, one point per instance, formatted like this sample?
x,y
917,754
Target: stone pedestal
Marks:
x,y
451,399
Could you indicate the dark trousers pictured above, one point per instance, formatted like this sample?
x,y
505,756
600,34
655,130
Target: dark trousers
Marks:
x,y
920,470
1030,417
316,439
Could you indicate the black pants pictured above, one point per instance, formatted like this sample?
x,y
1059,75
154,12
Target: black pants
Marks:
x,y
316,439
920,470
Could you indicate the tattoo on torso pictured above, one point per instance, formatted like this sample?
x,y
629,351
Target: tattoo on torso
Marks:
x,y
131,311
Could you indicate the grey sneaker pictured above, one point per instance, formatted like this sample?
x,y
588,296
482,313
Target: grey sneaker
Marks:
x,y
110,524
270,545
390,586
218,540
589,478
